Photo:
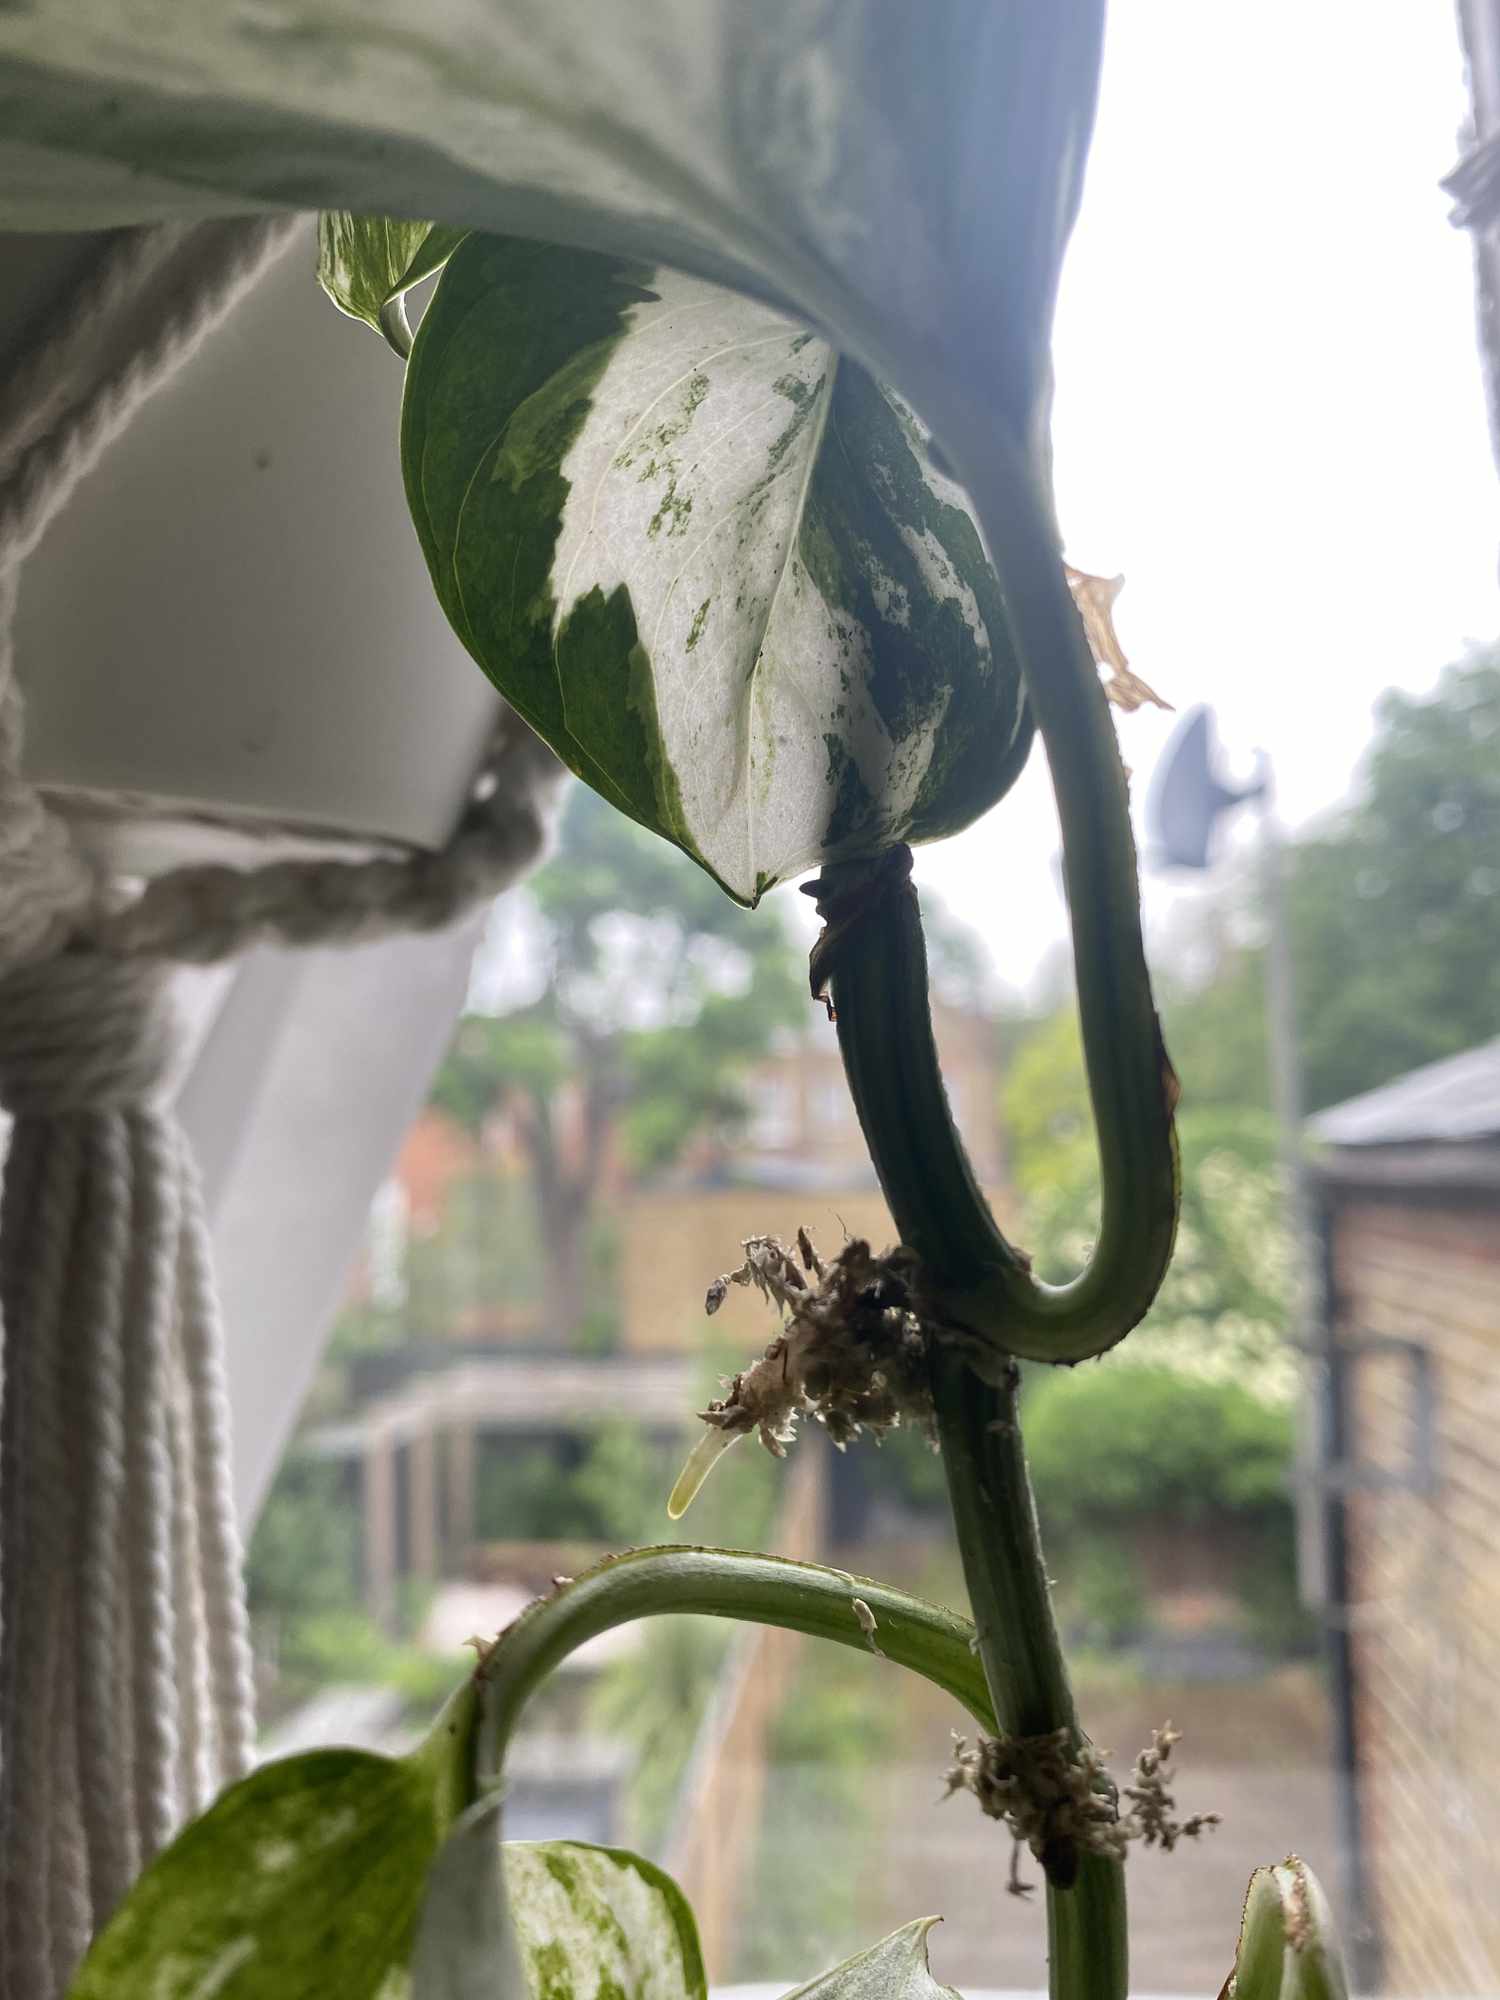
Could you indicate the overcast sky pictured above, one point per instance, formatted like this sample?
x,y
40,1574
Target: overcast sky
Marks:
x,y
1270,414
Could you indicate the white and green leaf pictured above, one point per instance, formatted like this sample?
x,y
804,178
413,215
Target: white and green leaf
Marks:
x,y
600,1920
714,565
903,176
567,1919
304,1880
368,263
1289,1947
894,1969
466,1946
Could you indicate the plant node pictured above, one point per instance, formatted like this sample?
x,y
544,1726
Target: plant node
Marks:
x,y
852,1353
1057,1798
1054,1795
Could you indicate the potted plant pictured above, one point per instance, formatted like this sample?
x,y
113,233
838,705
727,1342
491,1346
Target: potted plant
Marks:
x,y
725,437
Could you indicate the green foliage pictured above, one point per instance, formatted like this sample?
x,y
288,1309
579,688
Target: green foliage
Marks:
x,y
484,1253
1044,1102
1288,1946
1391,909
826,1735
894,1969
1225,1301
1107,1599
597,1921
304,1880
1217,1034
657,995
320,1649
1129,1437
653,1700
833,676
824,163
304,1555
492,1054
611,1494
1136,1443
1394,911
366,263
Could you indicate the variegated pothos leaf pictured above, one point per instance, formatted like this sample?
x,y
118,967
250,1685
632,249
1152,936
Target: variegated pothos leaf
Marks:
x,y
570,1920
303,1881
894,1969
600,1920
367,262
903,175
714,565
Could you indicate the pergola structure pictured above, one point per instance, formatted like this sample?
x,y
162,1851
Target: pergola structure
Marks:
x,y
416,1446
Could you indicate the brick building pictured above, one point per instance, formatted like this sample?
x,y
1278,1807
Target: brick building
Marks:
x,y
1409,1211
802,1161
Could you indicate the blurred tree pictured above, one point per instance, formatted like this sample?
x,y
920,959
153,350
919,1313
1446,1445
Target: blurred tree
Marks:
x,y
959,967
1225,1300
1159,1442
304,1556
1394,912
1392,906
654,995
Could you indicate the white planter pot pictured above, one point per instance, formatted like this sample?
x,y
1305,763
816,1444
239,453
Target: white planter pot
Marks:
x,y
231,628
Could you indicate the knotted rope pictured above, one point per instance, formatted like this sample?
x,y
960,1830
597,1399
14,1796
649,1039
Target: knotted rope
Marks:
x,y
125,1666
126,1687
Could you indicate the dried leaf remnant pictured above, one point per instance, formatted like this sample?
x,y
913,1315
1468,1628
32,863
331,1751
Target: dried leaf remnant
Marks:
x,y
1095,597
1058,1799
852,1352
851,1355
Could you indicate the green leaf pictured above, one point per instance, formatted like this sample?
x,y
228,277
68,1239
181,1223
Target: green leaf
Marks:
x,y
575,1921
366,263
1289,1948
466,1946
712,564
905,176
601,1921
303,1881
894,1969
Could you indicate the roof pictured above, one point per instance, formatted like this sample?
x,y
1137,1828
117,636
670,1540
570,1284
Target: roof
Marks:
x,y
518,1393
1453,1102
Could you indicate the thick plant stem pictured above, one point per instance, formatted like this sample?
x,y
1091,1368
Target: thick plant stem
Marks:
x,y
995,1519
873,959
722,1583
978,1292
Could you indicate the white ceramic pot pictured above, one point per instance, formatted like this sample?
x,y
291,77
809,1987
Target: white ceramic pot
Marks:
x,y
230,630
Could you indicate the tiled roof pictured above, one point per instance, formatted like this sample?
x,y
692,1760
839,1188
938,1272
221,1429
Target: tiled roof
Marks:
x,y
1456,1101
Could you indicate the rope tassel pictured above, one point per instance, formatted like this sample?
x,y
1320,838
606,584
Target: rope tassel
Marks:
x,y
125,1673
125,1666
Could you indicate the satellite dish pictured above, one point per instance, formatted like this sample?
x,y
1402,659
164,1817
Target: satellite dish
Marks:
x,y
1186,799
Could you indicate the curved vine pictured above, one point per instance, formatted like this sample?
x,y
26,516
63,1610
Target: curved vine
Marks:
x,y
721,1583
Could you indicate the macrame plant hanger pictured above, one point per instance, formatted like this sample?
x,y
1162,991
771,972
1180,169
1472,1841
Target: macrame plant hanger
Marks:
x,y
126,1696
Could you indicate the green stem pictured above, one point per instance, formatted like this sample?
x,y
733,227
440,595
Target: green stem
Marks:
x,y
722,1583
977,1289
995,1518
977,1284
396,327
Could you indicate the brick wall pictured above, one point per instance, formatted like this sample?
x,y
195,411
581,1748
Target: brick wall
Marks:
x,y
1425,1576
676,1241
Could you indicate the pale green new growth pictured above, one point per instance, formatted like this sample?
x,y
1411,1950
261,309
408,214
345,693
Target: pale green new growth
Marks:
x,y
367,264
1288,1949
